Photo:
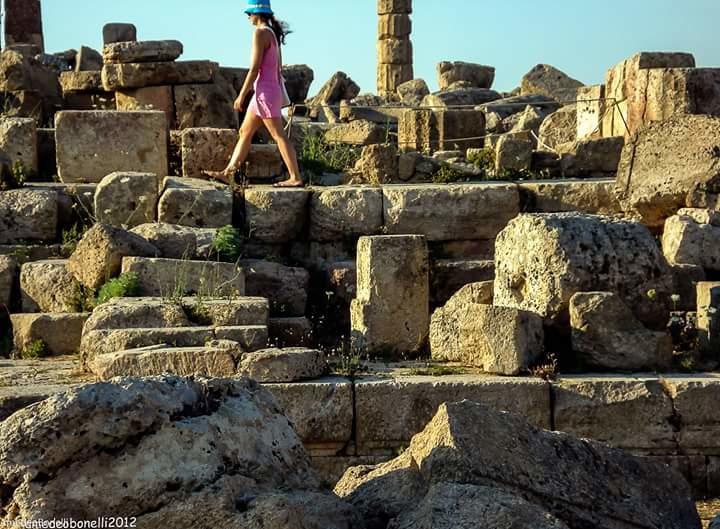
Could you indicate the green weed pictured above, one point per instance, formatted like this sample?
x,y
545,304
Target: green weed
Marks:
x,y
446,174
317,156
228,244
36,349
125,286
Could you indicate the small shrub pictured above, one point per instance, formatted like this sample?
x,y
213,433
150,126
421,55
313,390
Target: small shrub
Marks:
x,y
125,286
71,237
317,156
228,244
12,177
548,370
37,349
447,175
483,159
83,299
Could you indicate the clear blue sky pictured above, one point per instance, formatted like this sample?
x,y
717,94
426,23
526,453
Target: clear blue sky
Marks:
x,y
582,38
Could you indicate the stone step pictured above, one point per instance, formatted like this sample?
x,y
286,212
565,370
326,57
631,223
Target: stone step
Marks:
x,y
101,342
172,278
47,334
178,242
194,202
47,286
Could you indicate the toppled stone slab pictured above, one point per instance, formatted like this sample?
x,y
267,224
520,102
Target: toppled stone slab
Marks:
x,y
559,127
465,96
390,315
28,215
250,337
145,51
477,75
127,199
275,215
285,287
378,164
196,203
47,286
513,153
469,211
595,196
92,144
517,460
59,334
99,254
298,78
542,260
547,80
336,89
663,162
606,335
345,212
692,237
173,277
282,365
138,75
413,92
498,340
182,361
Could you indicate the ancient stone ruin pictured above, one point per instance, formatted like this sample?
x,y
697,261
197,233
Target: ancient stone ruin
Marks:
x,y
485,309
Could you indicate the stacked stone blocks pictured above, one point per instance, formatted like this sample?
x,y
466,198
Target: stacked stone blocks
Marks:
x,y
394,48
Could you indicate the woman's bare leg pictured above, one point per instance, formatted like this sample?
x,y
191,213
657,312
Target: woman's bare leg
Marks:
x,y
250,126
287,151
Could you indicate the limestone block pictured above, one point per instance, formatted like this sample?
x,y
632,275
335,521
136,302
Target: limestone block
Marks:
x,y
672,91
108,341
591,108
477,75
196,203
694,399
148,98
168,277
99,254
447,276
708,314
416,399
546,80
395,51
391,312
8,278
513,153
28,215
286,287
542,260
250,337
497,340
136,313
606,335
687,241
412,92
229,312
282,365
47,286
390,76
339,213
426,130
18,143
91,145
275,215
84,81
208,361
394,26
205,105
628,413
59,332
138,75
206,149
321,410
596,157
173,241
394,6
294,331
588,195
358,132
119,32
337,88
468,211
88,60
460,95
145,51
23,23
127,199
378,164
663,162
559,127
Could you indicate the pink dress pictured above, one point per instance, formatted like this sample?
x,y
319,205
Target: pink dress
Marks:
x,y
268,99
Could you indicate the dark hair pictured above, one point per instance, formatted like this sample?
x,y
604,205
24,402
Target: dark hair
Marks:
x,y
280,28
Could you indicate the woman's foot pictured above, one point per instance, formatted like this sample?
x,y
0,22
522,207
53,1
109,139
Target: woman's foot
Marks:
x,y
290,182
221,176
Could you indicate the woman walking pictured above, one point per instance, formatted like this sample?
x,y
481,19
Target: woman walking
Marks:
x,y
265,108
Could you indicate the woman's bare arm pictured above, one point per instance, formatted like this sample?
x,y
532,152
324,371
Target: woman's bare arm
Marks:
x,y
259,44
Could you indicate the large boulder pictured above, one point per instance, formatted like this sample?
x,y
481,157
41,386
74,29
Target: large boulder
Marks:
x,y
477,75
663,162
578,483
606,335
542,260
211,453
547,80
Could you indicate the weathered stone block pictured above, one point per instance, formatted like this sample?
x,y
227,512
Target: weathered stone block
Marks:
x,y
477,75
194,202
693,241
708,314
99,255
358,132
91,145
205,105
149,98
206,149
23,23
591,108
694,399
390,76
88,60
378,164
59,332
595,196
127,199
250,337
394,6
629,413
230,312
548,81
412,92
298,78
28,215
138,75
416,399
469,211
391,312
47,286
542,260
84,81
437,130
282,365
513,153
395,51
460,96
345,212
275,215
285,287
164,277
119,32
18,143
136,313
394,26
606,335
559,127
145,51
108,341
173,241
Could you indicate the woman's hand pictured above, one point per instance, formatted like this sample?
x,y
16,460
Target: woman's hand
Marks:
x,y
239,104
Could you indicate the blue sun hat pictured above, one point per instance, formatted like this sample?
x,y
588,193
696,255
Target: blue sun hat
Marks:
x,y
258,7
